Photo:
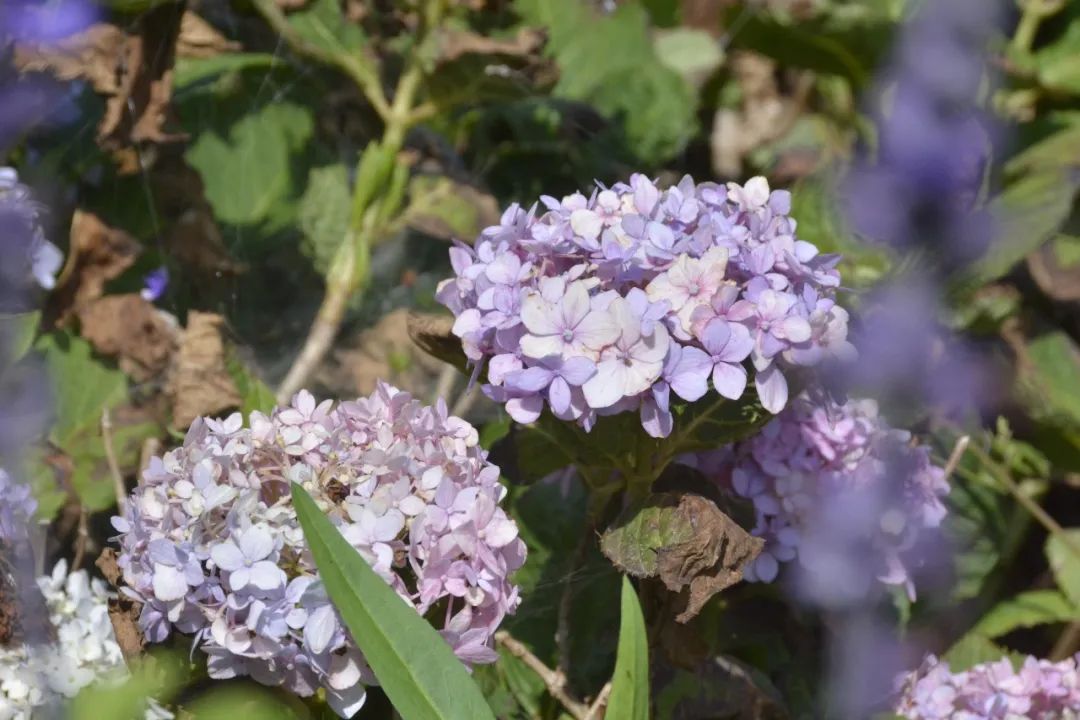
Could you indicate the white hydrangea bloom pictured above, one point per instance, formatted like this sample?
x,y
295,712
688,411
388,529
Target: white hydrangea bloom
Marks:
x,y
35,682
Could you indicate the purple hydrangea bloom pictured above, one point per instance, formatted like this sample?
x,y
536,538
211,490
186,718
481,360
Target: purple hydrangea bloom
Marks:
x,y
1038,689
17,507
27,259
211,546
628,279
827,480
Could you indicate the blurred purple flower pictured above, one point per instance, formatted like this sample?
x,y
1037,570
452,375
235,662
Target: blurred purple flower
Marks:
x,y
34,21
155,283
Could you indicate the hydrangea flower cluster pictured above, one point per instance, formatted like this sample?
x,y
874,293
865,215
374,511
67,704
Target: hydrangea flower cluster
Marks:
x,y
36,681
813,455
26,257
608,303
211,543
17,507
1039,690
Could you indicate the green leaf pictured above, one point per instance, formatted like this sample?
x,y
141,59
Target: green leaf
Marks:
x,y
1047,381
442,208
83,386
190,71
414,665
635,538
630,683
322,23
1062,554
1058,150
1027,214
608,60
1058,65
247,170
694,54
324,213
16,336
973,649
1037,607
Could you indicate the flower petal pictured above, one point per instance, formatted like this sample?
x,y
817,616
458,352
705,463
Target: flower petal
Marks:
x,y
729,380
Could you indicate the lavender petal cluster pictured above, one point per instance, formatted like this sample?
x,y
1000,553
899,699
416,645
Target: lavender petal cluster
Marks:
x,y
17,508
210,542
819,454
610,303
26,257
1038,690
36,681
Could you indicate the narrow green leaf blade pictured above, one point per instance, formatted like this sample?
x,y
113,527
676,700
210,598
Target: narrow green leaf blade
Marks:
x,y
415,666
630,682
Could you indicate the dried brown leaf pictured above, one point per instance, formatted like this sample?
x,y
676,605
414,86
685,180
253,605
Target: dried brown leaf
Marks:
x,y
90,55
433,334
131,329
97,254
712,560
456,43
199,382
141,109
383,352
1058,280
191,235
123,611
200,39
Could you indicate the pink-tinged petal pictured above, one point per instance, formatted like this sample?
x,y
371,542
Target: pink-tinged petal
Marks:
x,y
640,376
657,422
606,387
597,330
796,329
266,575
586,223
577,370
729,380
525,410
502,365
169,583
538,316
661,288
742,310
256,543
227,556
715,336
772,389
320,628
500,532
690,380
541,346
559,396
739,345
574,305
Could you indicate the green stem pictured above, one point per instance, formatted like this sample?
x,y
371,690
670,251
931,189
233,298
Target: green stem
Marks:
x,y
1033,13
350,267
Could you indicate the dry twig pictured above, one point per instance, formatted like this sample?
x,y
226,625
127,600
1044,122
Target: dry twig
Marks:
x,y
110,458
554,680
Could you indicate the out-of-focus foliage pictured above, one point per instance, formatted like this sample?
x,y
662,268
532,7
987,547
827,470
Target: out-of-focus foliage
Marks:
x,y
243,149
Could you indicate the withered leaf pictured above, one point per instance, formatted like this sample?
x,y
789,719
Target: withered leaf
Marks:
x,y
687,541
199,381
123,611
90,55
200,39
1056,268
98,253
455,43
383,352
132,329
432,332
